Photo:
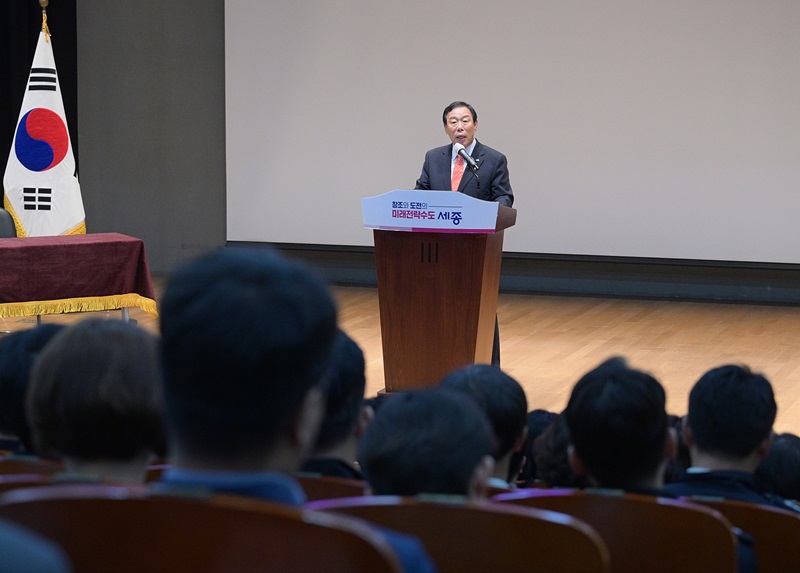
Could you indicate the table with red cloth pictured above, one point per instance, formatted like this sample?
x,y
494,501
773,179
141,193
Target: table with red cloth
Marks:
x,y
74,273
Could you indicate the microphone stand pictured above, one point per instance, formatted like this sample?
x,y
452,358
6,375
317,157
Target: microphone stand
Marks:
x,y
475,172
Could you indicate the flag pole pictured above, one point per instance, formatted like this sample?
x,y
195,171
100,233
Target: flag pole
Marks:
x,y
45,28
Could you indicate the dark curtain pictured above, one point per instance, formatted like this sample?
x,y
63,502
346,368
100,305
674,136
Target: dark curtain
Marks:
x,y
20,22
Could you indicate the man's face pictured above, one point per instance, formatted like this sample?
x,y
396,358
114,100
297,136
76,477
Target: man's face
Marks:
x,y
460,127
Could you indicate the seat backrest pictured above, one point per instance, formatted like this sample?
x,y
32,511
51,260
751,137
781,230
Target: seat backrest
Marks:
x,y
154,472
15,481
464,537
18,464
645,533
7,227
775,531
130,529
328,487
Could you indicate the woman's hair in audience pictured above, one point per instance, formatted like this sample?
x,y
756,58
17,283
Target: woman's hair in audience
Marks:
x,y
424,441
538,421
779,472
18,352
95,393
344,392
551,456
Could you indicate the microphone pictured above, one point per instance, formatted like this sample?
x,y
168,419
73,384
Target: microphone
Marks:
x,y
461,150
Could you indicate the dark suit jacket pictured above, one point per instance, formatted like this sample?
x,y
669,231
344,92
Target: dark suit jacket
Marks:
x,y
271,486
740,486
490,184
333,467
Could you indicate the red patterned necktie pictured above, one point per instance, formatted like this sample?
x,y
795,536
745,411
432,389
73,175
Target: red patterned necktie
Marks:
x,y
458,173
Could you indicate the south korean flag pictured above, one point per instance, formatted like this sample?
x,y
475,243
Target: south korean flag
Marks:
x,y
41,185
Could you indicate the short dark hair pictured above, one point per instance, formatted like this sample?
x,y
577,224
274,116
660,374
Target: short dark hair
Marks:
x,y
778,472
550,450
500,397
424,441
618,423
18,352
538,421
457,104
731,411
344,387
95,393
245,335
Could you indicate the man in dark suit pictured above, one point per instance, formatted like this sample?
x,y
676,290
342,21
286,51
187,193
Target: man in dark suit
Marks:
x,y
444,169
489,181
346,414
729,431
621,438
243,403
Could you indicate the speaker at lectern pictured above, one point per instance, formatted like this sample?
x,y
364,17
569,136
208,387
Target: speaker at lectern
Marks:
x,y
438,257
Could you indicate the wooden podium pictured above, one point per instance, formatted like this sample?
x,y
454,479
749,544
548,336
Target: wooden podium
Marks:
x,y
438,257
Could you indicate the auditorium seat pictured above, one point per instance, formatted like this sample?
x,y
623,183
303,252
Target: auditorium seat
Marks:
x,y
14,481
327,487
644,533
154,471
463,537
7,227
18,464
775,532
129,529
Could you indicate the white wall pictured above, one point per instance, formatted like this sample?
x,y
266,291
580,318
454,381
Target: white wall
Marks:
x,y
632,127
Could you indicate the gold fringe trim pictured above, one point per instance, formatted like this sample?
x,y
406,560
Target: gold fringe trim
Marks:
x,y
79,230
83,304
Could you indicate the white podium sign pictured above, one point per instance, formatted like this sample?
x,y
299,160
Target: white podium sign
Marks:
x,y
429,211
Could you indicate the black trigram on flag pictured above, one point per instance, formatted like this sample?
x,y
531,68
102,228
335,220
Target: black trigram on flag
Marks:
x,y
37,199
42,79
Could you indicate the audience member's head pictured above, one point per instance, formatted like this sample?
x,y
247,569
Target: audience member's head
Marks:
x,y
551,453
779,472
347,414
503,401
537,421
26,551
95,400
729,424
618,427
344,386
18,351
246,339
375,402
428,441
677,466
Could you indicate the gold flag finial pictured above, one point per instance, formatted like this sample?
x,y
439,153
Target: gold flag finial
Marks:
x,y
45,29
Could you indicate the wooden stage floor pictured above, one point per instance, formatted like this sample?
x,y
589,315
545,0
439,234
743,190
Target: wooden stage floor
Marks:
x,y
548,342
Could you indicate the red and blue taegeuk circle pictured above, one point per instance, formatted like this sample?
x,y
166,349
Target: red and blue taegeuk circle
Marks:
x,y
42,140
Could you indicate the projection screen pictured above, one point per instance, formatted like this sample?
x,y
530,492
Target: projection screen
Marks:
x,y
635,128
